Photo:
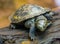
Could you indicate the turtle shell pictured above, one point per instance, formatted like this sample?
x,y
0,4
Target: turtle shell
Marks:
x,y
28,11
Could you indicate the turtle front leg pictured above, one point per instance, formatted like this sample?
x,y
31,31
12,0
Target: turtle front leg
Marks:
x,y
32,32
31,25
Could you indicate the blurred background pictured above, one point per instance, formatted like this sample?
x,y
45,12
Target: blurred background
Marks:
x,y
7,7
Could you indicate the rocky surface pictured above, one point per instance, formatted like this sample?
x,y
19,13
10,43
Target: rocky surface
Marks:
x,y
20,36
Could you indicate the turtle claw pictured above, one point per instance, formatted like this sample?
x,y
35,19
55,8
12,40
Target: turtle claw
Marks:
x,y
12,26
32,38
32,33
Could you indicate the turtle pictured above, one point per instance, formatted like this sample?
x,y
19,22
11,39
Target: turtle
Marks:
x,y
34,18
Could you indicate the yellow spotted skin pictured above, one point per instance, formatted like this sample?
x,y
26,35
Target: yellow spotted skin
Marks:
x,y
15,17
